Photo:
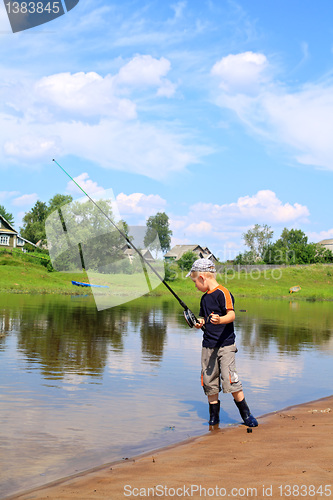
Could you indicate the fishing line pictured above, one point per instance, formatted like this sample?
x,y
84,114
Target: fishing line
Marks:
x,y
189,316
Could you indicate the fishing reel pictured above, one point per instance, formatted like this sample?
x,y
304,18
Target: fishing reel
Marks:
x,y
190,318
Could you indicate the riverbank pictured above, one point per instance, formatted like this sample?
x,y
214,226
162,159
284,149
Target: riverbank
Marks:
x,y
288,455
20,276
316,281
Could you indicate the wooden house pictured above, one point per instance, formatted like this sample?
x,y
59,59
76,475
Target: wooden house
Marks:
x,y
178,251
327,244
9,237
131,253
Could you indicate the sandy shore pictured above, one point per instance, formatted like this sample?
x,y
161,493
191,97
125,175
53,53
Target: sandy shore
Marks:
x,y
289,455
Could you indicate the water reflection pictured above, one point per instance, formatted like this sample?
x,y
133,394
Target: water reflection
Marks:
x,y
63,338
290,326
153,332
77,384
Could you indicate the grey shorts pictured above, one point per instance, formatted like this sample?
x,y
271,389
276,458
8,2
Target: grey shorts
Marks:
x,y
218,365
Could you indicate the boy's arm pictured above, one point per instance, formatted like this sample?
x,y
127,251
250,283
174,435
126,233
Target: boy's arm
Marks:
x,y
223,320
215,319
226,303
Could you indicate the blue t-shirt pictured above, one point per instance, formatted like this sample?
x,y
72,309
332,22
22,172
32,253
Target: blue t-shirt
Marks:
x,y
217,301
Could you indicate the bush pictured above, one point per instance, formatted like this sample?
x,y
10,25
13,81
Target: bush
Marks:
x,y
170,272
186,261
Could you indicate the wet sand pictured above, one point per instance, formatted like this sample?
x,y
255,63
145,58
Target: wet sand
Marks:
x,y
289,455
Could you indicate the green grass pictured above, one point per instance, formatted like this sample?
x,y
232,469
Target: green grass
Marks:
x,y
26,275
19,275
316,282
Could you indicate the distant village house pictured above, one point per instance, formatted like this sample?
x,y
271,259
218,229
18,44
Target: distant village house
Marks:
x,y
327,244
131,253
9,237
178,251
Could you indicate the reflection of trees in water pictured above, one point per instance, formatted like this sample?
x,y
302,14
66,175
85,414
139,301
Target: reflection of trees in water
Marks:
x,y
292,329
4,328
153,334
63,337
66,339
247,336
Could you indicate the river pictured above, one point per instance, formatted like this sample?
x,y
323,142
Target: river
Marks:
x,y
80,388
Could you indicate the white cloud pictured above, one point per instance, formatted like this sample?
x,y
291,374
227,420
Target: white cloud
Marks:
x,y
30,147
143,70
180,241
300,120
266,206
5,195
176,223
322,235
263,207
146,71
25,199
136,147
132,147
86,184
201,228
124,206
84,114
304,121
241,73
222,226
85,94
140,204
166,89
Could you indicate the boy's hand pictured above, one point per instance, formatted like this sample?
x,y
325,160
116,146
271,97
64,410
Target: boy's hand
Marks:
x,y
214,318
199,323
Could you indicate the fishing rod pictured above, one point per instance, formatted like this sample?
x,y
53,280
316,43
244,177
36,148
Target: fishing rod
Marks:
x,y
189,316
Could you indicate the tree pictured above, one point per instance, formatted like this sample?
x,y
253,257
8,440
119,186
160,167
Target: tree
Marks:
x,y
186,260
34,223
293,237
58,201
257,239
34,220
323,255
293,248
7,215
245,258
159,224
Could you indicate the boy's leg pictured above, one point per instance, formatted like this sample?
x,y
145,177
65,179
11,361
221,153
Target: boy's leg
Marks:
x,y
231,383
229,376
212,399
214,409
210,379
238,396
245,412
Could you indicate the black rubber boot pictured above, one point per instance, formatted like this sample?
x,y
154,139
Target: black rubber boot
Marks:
x,y
214,412
245,413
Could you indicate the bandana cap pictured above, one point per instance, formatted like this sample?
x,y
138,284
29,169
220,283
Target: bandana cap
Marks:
x,y
202,266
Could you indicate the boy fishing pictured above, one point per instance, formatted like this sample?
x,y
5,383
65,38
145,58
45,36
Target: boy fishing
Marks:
x,y
218,345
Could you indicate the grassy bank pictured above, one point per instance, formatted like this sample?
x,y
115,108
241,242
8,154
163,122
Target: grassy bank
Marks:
x,y
18,275
21,276
316,282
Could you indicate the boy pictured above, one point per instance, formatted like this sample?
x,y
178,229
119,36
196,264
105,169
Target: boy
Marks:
x,y
218,346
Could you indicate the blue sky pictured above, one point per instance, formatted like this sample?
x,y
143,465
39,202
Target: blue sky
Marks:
x,y
219,113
